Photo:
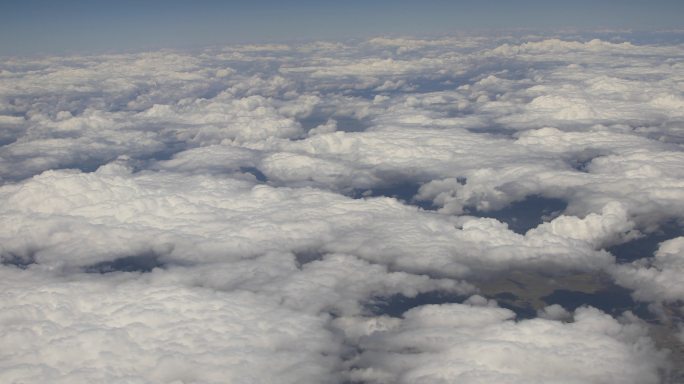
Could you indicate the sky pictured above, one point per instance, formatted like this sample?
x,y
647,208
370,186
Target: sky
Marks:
x,y
39,26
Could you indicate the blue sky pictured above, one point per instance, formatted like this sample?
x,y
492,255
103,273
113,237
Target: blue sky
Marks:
x,y
40,26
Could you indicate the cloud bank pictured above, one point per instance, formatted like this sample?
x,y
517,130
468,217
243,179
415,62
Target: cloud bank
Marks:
x,y
345,212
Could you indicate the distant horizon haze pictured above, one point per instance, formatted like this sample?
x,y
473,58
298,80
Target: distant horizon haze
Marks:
x,y
47,27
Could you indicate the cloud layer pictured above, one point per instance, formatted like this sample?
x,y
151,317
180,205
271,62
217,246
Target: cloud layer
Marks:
x,y
244,213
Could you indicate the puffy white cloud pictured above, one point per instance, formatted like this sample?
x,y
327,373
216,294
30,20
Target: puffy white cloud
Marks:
x,y
211,209
554,312
562,46
70,219
639,173
483,344
600,231
656,279
104,330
